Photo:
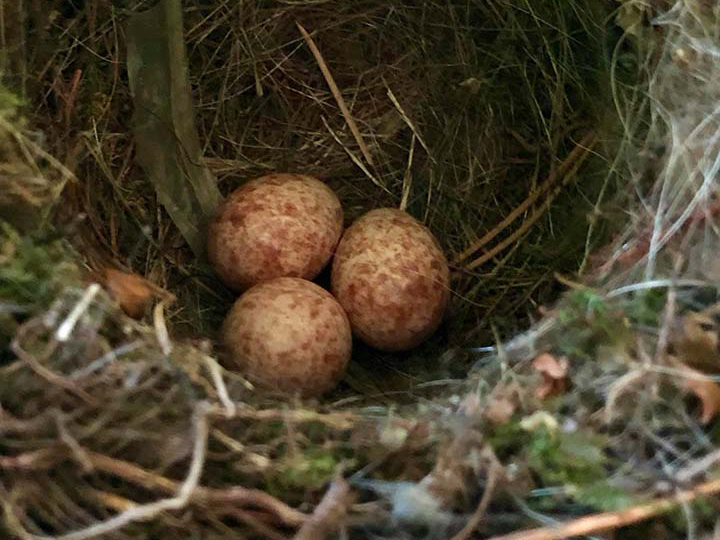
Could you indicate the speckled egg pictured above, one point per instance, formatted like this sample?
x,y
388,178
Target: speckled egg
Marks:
x,y
288,334
392,278
279,225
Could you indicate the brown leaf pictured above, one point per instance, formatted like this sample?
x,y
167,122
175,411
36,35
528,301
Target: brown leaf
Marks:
x,y
500,411
695,338
554,374
707,391
131,291
502,404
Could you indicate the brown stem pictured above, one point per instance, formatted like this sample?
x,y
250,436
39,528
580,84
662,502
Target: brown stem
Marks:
x,y
612,520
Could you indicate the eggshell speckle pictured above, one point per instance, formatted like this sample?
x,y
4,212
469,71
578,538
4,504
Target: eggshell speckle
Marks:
x,y
392,278
279,225
288,334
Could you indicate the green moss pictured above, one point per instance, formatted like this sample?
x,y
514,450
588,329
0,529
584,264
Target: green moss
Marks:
x,y
9,102
508,439
308,470
567,458
574,460
33,268
604,497
647,306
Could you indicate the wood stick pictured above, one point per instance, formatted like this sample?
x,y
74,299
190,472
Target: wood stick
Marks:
x,y
201,495
612,520
329,515
472,524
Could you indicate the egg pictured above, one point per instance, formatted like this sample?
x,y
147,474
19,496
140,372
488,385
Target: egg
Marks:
x,y
392,278
288,334
278,225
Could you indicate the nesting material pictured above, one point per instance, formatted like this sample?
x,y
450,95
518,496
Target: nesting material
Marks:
x,y
392,278
288,334
278,225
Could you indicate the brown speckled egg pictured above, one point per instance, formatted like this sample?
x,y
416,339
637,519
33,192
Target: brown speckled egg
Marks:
x,y
279,225
391,277
288,334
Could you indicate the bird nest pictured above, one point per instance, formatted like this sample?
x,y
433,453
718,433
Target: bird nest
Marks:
x,y
566,158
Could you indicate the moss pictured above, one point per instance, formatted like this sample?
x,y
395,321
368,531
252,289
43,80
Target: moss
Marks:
x,y
9,102
560,458
604,497
574,460
306,471
34,268
646,307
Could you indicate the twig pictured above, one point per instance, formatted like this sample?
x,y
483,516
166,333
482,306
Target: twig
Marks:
x,y
106,359
335,420
161,330
202,495
76,450
618,388
222,391
36,365
612,520
493,476
68,325
581,150
151,510
65,173
329,514
336,93
111,500
47,458
267,532
34,460
697,467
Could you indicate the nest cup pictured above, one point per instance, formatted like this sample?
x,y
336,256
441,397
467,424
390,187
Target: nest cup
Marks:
x,y
508,129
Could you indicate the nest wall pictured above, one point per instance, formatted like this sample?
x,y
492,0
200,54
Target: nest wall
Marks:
x,y
466,110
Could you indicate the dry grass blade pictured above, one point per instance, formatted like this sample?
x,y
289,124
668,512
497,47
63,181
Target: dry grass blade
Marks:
x,y
356,160
577,154
336,94
408,122
576,158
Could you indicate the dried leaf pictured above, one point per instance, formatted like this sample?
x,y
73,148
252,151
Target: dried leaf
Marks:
x,y
499,411
502,404
554,374
707,391
695,338
168,146
630,17
131,291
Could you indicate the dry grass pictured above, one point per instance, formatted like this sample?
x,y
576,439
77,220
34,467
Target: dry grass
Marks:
x,y
466,109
